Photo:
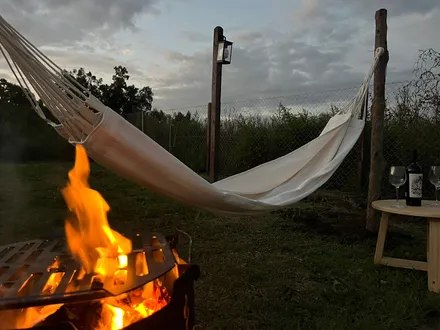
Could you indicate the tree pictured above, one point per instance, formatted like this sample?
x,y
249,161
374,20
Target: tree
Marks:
x,y
12,94
180,117
159,115
118,95
89,81
420,98
124,98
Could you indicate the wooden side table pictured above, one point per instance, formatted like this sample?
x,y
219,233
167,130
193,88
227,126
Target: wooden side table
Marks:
x,y
432,213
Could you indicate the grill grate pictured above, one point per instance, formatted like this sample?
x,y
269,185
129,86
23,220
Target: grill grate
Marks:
x,y
26,267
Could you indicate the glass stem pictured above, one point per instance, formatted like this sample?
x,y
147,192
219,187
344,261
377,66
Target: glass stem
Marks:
x,y
397,195
436,194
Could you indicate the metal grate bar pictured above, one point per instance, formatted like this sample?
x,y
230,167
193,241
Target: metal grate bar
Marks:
x,y
38,287
11,251
28,265
67,278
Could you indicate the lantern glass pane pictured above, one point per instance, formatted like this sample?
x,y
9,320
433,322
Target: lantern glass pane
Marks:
x,y
228,53
221,48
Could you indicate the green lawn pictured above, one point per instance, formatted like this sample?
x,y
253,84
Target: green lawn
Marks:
x,y
309,267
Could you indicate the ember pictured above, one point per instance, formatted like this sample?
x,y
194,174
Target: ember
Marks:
x,y
103,281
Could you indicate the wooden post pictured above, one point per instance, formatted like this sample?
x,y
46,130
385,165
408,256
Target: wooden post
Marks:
x,y
208,138
170,134
215,104
377,121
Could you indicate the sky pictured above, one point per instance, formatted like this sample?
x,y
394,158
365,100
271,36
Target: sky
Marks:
x,y
281,47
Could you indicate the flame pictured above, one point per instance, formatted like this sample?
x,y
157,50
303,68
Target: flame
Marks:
x,y
139,304
26,318
116,316
103,251
98,248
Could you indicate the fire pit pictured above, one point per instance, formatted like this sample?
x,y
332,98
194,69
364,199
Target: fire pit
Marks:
x,y
95,278
43,287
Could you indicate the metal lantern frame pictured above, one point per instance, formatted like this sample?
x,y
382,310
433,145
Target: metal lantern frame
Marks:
x,y
224,54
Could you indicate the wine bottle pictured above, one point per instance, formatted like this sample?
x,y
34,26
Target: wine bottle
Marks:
x,y
414,183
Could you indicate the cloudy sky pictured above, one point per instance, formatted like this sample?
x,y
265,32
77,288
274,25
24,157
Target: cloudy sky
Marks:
x,y
281,47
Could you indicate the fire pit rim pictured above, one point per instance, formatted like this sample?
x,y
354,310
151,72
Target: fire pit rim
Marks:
x,y
43,261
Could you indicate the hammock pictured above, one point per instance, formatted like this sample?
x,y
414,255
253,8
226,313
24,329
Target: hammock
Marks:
x,y
122,148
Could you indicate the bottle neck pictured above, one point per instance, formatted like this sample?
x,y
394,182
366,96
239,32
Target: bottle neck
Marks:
x,y
415,156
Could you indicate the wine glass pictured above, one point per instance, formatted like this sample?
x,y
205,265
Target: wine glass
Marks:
x,y
397,179
434,178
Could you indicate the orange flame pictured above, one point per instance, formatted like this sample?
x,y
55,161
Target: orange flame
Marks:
x,y
89,236
104,251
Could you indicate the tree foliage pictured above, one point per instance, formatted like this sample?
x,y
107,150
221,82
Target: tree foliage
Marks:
x,y
118,95
12,94
427,82
419,99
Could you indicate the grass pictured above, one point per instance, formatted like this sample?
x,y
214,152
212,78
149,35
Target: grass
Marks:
x,y
309,267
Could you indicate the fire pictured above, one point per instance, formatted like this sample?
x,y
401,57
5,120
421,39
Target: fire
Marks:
x,y
89,236
103,251
120,312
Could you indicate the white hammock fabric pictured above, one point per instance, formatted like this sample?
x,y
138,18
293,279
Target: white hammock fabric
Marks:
x,y
122,148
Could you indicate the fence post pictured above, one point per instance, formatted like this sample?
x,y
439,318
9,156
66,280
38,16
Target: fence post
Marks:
x,y
214,143
377,121
170,134
208,140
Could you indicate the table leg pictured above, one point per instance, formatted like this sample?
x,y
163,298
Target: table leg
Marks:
x,y
433,255
381,237
427,240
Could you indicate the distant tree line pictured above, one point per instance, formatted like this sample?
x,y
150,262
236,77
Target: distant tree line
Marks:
x,y
25,137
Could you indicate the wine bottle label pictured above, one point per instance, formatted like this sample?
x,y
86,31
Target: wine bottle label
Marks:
x,y
415,185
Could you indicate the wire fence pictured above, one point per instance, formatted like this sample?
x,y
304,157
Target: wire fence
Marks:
x,y
184,134
256,131
412,122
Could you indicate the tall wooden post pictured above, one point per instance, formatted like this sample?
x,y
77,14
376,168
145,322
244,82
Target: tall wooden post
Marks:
x,y
208,137
377,163
215,104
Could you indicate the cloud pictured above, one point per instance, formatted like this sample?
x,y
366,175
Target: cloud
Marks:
x,y
281,67
80,33
126,51
99,64
309,10
62,22
331,46
195,36
323,44
395,8
247,37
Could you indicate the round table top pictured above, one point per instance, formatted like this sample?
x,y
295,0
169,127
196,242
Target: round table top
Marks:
x,y
427,210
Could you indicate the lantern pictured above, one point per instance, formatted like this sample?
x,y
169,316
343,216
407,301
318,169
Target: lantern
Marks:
x,y
224,52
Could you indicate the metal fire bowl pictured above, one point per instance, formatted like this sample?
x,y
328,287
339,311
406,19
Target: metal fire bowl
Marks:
x,y
25,268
